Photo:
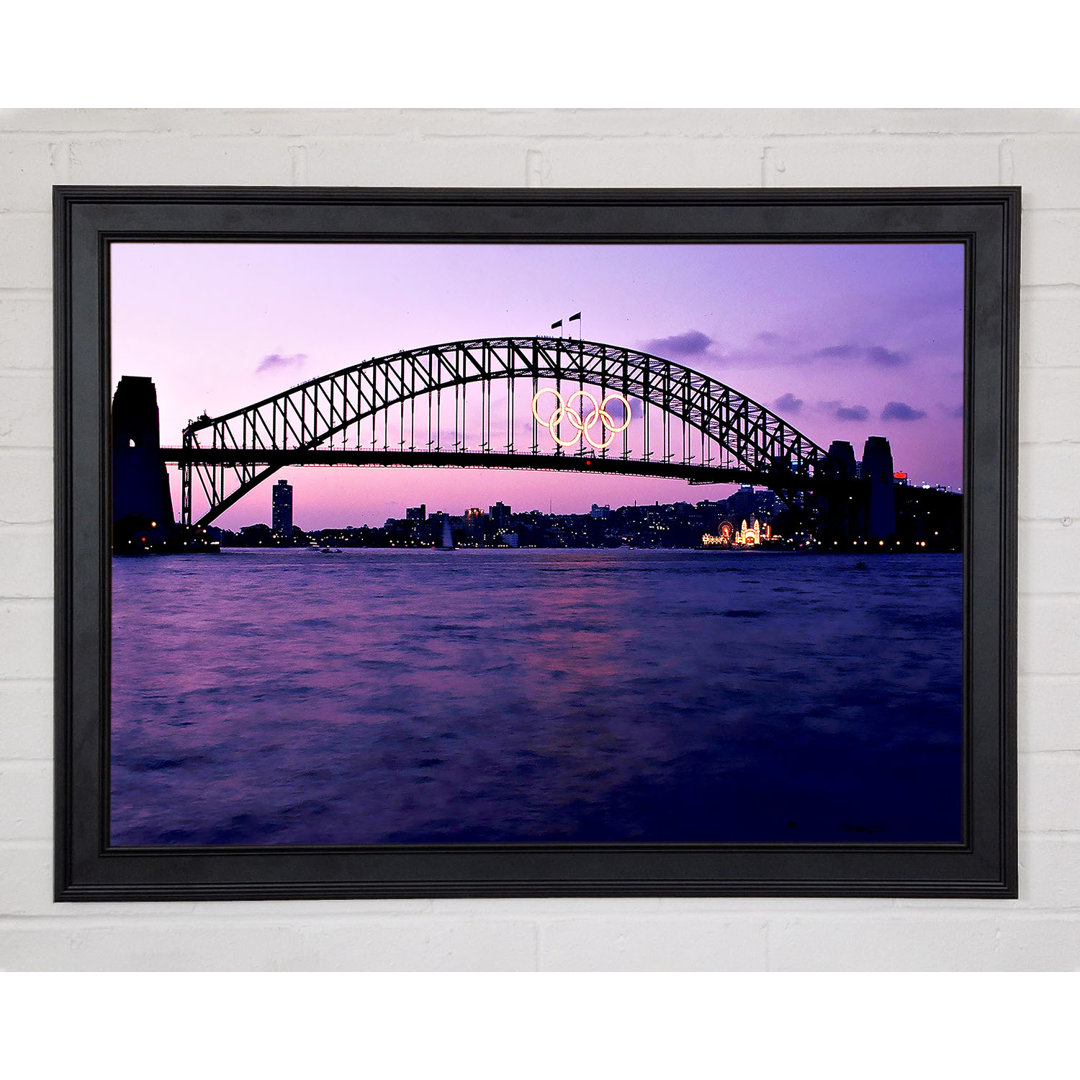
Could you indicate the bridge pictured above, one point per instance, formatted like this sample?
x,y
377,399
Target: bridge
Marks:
x,y
588,407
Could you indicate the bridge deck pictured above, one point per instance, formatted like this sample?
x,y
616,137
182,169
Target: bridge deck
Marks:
x,y
696,474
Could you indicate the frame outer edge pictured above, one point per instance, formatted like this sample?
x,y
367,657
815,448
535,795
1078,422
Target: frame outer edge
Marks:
x,y
999,883
1010,423
62,533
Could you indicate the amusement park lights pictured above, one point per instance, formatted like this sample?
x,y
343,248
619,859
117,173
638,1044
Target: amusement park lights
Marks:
x,y
581,421
748,536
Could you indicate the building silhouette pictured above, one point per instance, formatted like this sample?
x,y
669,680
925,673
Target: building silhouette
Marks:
x,y
141,496
282,509
877,475
841,501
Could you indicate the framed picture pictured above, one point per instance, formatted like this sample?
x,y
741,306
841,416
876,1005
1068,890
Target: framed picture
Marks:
x,y
444,543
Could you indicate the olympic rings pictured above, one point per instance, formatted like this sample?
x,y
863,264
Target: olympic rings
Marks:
x,y
581,421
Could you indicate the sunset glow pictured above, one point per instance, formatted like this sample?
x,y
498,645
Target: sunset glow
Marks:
x,y
843,341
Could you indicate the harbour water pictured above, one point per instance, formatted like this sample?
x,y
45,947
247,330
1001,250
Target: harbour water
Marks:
x,y
380,696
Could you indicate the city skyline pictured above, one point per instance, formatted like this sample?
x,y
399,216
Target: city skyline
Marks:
x,y
465,509
842,341
917,520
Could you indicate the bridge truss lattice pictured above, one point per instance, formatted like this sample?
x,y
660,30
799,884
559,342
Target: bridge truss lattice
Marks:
x,y
437,407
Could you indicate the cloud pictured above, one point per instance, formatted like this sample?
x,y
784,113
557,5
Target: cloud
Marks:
x,y
692,343
788,403
872,354
767,337
899,410
953,412
837,352
878,354
846,412
276,360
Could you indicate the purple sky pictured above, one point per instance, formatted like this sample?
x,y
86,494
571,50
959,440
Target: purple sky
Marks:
x,y
842,340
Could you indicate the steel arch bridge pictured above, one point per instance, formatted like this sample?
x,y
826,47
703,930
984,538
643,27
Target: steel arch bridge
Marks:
x,y
436,407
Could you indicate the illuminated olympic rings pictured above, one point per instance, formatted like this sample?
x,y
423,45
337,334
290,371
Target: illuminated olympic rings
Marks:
x,y
582,420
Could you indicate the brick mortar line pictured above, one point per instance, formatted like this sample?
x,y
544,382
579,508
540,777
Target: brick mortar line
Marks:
x,y
414,126
416,120
282,138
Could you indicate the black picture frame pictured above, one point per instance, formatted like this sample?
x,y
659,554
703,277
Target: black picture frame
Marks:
x,y
88,219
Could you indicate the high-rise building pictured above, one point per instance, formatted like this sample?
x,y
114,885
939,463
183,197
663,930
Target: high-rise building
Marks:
x,y
840,499
500,515
877,473
282,521
474,525
416,513
840,461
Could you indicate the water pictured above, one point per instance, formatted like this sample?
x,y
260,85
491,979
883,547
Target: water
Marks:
x,y
288,697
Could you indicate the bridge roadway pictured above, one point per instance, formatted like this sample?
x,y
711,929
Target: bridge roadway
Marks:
x,y
472,459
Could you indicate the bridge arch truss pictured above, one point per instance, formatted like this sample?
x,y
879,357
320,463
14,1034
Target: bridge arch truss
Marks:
x,y
722,434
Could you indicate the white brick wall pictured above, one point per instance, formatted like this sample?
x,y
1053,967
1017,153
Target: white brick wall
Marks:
x,y
1037,149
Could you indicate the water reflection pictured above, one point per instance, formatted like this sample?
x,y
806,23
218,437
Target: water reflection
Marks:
x,y
381,696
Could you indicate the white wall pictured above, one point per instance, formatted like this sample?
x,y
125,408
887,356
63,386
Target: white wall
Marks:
x,y
1039,150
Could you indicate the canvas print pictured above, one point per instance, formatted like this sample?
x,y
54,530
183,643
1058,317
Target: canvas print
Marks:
x,y
431,544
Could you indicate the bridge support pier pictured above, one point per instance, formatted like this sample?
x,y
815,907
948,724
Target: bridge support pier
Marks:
x,y
142,501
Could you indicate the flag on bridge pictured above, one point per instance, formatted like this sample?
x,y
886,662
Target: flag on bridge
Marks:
x,y
573,317
556,325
